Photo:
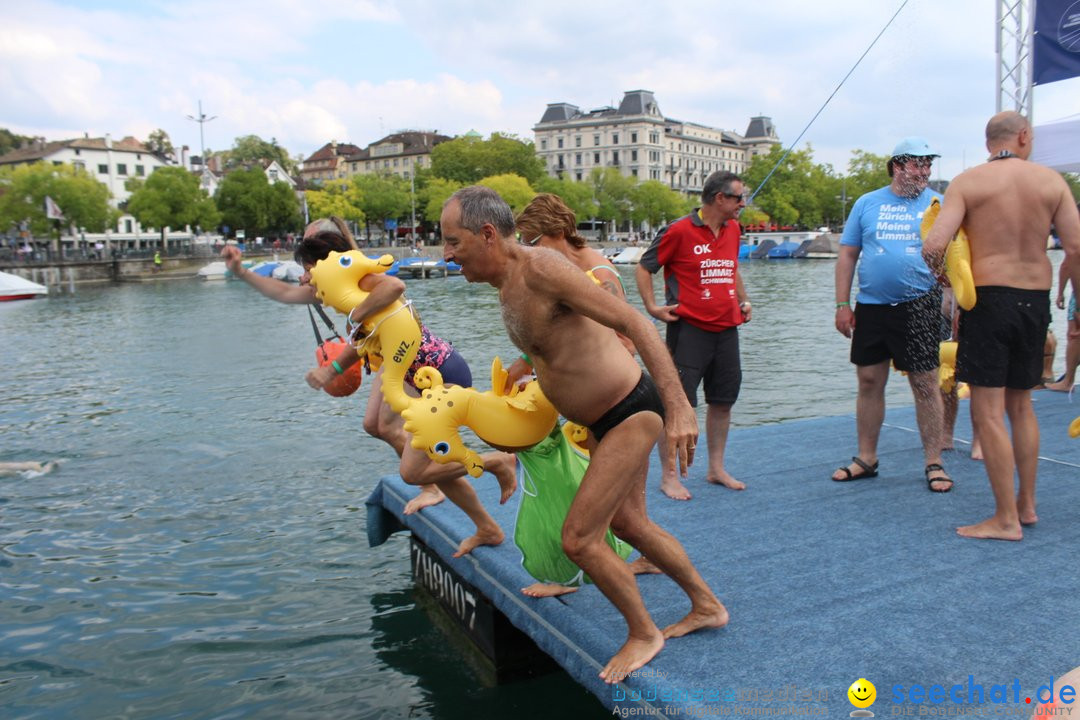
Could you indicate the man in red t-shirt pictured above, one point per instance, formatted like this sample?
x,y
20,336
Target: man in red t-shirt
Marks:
x,y
705,302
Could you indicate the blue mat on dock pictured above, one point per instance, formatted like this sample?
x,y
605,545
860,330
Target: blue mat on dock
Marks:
x,y
826,582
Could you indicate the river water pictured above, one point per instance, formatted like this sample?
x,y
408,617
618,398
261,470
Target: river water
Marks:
x,y
201,552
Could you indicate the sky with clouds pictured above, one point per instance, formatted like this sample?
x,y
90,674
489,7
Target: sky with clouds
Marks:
x,y
306,73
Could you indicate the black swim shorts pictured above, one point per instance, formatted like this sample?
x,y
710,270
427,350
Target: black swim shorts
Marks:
x,y
713,356
1002,338
907,333
643,398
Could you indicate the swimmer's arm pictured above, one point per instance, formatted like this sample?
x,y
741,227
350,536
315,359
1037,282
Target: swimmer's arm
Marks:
x,y
277,290
382,291
945,228
743,298
320,377
563,284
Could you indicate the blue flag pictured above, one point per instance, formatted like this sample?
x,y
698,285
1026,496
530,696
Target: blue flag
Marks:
x,y
1056,45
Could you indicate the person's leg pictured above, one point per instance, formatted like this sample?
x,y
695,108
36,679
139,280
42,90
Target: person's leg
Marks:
x,y
988,414
380,421
1049,353
950,403
869,414
1025,442
682,341
416,468
617,469
1072,358
717,424
928,416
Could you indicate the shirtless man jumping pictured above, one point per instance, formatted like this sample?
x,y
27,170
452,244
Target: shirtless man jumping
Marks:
x,y
557,315
1006,207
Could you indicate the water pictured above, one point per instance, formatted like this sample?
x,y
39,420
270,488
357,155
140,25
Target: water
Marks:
x,y
201,551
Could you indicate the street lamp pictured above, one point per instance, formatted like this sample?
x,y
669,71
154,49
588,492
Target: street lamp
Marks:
x,y
202,120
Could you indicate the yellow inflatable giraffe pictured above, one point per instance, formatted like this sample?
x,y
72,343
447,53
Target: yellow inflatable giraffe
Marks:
x,y
514,421
957,259
392,335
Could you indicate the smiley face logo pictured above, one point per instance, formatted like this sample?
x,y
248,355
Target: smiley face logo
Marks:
x,y
862,693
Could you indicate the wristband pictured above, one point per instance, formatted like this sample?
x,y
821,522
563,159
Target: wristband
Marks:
x,y
843,304
526,358
338,367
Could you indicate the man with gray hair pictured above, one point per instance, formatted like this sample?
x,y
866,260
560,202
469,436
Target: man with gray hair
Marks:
x,y
567,324
1006,207
705,302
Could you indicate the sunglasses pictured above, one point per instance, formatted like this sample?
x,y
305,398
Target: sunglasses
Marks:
x,y
530,243
919,162
738,198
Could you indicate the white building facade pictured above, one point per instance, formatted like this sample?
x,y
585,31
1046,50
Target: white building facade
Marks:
x,y
637,139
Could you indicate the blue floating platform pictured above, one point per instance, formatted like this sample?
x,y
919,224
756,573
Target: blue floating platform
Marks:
x,y
826,582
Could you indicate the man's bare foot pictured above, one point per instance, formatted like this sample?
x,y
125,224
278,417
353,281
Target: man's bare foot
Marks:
x,y
976,450
503,466
726,480
711,617
1027,512
631,656
539,590
674,489
429,495
644,566
1060,386
482,537
991,529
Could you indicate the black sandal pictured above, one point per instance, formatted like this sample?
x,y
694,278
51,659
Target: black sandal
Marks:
x,y
935,467
869,471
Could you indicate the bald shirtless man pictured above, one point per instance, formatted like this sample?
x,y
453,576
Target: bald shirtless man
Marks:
x,y
1006,207
552,310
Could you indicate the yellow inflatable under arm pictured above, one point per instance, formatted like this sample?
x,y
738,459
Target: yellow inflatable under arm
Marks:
x,y
957,259
1074,428
514,421
947,366
391,334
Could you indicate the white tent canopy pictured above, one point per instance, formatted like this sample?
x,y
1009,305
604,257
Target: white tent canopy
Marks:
x,y
1057,146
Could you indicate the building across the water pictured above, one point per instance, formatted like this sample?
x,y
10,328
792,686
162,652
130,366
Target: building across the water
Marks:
x,y
637,139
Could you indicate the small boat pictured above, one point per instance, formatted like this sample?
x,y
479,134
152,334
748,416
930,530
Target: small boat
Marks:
x,y
629,256
762,250
213,271
13,287
422,267
783,251
744,251
289,271
265,268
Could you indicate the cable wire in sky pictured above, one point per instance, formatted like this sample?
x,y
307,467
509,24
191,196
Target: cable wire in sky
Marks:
x,y
826,103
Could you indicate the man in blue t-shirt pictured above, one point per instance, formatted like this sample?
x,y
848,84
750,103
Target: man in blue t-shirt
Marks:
x,y
897,312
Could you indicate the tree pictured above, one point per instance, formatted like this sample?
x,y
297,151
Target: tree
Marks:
x,y
23,189
866,172
1073,181
10,141
433,195
578,196
611,191
382,198
160,144
332,200
469,159
252,150
248,201
788,194
655,203
172,198
513,189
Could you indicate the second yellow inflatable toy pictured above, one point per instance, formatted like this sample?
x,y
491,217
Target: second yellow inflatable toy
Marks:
x,y
957,259
514,421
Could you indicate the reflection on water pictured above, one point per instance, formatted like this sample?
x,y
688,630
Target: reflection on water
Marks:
x,y
201,550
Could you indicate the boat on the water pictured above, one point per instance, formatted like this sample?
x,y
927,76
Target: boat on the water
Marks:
x,y
216,270
13,287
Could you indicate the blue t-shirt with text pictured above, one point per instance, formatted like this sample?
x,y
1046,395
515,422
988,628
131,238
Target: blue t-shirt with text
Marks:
x,y
886,228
